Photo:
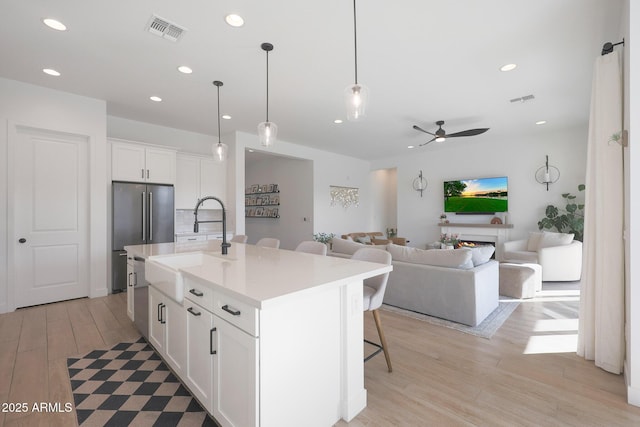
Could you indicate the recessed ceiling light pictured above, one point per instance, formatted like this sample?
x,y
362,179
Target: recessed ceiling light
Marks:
x,y
508,67
185,70
250,150
541,122
51,72
234,20
411,146
55,24
226,117
155,98
337,121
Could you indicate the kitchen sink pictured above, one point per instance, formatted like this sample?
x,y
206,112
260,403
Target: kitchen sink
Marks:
x,y
163,271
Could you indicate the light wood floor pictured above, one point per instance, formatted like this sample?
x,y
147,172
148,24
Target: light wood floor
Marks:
x,y
441,377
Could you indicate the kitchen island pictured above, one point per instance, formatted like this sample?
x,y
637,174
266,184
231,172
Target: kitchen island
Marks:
x,y
261,336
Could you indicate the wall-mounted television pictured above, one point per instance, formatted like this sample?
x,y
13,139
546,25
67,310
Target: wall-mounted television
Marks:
x,y
476,196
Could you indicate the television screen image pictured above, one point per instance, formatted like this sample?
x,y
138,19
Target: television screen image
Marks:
x,y
476,196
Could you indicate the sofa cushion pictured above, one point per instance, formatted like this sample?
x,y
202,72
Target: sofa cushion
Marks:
x,y
345,246
550,239
363,239
481,254
534,240
452,258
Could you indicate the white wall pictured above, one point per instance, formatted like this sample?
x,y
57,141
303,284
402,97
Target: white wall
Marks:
x,y
632,190
384,198
465,158
295,181
39,107
328,169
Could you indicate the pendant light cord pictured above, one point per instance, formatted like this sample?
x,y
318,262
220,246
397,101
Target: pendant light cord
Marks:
x,y
267,86
218,87
355,40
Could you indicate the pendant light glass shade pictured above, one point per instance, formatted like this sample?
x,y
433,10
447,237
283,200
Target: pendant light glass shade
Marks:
x,y
219,150
267,131
356,97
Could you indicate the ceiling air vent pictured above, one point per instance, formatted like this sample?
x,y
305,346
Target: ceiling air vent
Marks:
x,y
522,98
164,28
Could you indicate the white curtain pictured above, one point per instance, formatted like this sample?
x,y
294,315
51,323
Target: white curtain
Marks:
x,y
601,325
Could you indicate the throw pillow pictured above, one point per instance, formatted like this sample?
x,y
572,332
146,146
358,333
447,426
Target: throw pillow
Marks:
x,y
481,254
550,239
458,258
534,241
363,239
344,246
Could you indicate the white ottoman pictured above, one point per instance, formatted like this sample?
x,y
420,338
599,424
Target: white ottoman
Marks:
x,y
520,280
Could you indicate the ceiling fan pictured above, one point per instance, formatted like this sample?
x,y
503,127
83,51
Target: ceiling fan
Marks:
x,y
440,135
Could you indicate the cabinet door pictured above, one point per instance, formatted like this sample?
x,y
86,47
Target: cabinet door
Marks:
x,y
187,182
128,163
175,338
212,182
199,376
161,166
235,376
157,316
131,281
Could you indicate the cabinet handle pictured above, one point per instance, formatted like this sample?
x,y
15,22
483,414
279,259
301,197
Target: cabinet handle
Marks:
x,y
196,292
231,310
192,311
162,320
147,173
211,350
159,310
150,216
142,173
129,281
144,214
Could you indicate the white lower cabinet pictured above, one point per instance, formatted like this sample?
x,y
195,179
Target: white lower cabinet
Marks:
x,y
131,282
167,325
222,358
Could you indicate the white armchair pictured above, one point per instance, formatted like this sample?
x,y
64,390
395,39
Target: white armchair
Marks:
x,y
559,263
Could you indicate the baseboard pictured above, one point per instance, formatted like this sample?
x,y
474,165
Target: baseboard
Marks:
x,y
96,293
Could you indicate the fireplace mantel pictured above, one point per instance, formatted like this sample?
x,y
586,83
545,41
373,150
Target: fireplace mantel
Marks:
x,y
497,233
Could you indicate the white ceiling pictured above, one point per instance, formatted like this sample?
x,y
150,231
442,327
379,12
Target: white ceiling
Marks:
x,y
423,60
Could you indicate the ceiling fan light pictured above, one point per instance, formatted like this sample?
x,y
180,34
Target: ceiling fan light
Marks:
x,y
356,97
441,139
219,152
267,132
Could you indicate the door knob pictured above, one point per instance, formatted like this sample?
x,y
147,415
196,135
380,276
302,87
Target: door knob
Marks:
x,y
22,240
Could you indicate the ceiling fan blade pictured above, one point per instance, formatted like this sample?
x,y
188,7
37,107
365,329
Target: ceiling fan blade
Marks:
x,y
425,143
416,127
470,132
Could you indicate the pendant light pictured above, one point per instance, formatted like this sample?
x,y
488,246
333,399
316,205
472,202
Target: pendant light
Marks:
x,y
267,131
219,150
355,95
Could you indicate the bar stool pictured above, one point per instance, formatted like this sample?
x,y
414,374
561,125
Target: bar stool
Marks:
x,y
373,294
312,247
268,242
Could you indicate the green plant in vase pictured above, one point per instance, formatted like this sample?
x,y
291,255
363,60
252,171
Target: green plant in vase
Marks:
x,y
324,238
567,220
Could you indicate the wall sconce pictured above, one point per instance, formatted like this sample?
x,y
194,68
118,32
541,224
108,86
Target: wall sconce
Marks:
x,y
547,174
420,184
345,196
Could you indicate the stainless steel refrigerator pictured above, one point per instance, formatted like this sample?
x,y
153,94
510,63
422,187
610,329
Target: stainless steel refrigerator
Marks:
x,y
142,213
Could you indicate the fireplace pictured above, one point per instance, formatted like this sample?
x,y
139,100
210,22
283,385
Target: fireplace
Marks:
x,y
495,234
475,243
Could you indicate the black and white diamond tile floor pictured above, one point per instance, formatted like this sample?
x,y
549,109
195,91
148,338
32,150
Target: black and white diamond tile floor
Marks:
x,y
129,385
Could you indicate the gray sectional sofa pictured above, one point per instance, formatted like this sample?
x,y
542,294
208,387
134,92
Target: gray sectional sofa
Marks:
x,y
460,285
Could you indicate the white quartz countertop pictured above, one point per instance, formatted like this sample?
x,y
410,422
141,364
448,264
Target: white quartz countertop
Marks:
x,y
263,276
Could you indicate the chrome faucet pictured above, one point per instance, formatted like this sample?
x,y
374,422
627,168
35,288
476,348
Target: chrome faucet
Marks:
x,y
224,244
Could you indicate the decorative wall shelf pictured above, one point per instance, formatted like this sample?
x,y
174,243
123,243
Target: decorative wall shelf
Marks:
x,y
262,201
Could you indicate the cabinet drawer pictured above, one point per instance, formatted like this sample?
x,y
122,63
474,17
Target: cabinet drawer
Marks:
x,y
237,313
200,294
185,239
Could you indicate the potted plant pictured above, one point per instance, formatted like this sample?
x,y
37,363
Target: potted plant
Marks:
x,y
567,220
449,241
391,233
324,238
443,218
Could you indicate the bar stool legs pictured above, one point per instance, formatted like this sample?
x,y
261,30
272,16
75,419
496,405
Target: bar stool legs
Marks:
x,y
383,342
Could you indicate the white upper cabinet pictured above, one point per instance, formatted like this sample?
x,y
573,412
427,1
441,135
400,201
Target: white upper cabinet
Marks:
x,y
197,177
140,163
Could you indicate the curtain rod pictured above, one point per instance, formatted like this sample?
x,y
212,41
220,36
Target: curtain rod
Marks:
x,y
608,47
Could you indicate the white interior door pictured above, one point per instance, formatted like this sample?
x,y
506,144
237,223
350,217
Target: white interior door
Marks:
x,y
50,216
